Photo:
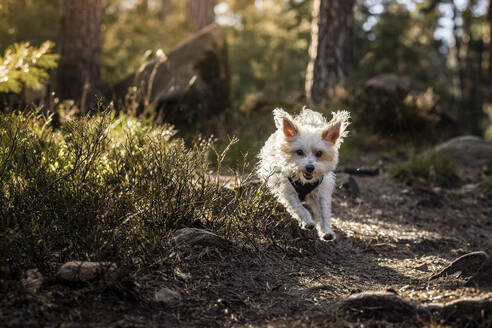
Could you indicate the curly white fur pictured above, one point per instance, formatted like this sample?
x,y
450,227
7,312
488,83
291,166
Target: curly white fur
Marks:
x,y
304,148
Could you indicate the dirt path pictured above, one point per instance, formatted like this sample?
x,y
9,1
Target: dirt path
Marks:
x,y
390,240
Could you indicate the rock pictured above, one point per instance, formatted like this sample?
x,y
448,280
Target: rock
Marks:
x,y
380,306
32,281
464,312
348,183
389,83
468,151
388,106
189,85
167,296
464,266
388,307
78,271
483,277
193,236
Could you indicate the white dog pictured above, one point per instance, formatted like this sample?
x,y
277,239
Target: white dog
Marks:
x,y
297,162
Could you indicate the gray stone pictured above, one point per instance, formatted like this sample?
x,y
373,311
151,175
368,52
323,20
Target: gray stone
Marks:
x,y
483,277
382,306
168,296
77,271
389,83
468,151
32,281
200,237
464,266
191,83
348,183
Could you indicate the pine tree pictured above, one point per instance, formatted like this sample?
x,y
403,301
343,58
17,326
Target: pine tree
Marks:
x,y
330,50
200,13
80,50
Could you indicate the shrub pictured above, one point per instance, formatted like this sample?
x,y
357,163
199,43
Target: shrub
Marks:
x,y
112,189
435,169
25,65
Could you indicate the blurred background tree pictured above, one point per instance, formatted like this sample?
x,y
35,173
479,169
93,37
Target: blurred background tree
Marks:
x,y
80,43
331,48
268,49
28,20
200,13
442,46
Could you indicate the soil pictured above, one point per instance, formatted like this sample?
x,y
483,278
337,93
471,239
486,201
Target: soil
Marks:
x,y
391,239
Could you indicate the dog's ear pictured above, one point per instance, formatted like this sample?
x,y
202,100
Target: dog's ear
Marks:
x,y
284,122
337,128
332,133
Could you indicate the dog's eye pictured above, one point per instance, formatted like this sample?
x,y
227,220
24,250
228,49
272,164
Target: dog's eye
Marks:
x,y
319,153
300,152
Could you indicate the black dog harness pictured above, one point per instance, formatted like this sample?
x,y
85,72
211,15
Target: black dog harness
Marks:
x,y
303,189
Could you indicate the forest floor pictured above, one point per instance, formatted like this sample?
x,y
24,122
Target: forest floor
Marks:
x,y
391,239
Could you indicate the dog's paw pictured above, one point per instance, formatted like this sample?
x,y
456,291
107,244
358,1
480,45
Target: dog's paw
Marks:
x,y
329,236
307,225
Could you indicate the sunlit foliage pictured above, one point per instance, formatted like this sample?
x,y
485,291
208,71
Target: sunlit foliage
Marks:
x,y
112,188
25,65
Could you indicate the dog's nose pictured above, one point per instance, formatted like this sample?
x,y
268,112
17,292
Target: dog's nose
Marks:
x,y
310,168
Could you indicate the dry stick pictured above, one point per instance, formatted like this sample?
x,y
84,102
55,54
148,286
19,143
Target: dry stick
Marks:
x,y
369,171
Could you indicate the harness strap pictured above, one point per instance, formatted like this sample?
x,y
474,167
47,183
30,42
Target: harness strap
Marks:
x,y
303,189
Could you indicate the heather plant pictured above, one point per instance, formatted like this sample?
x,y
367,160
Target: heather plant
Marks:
x,y
113,188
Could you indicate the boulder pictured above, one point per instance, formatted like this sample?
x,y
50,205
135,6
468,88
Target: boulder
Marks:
x,y
190,85
348,183
385,108
464,266
483,277
389,84
468,151
380,306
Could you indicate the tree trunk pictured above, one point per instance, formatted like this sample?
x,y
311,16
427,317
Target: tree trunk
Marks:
x,y
80,51
489,23
330,49
200,13
166,7
458,58
473,111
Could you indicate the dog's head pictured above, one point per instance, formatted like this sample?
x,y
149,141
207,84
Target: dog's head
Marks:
x,y
310,143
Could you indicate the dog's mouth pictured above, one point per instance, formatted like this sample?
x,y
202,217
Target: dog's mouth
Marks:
x,y
307,175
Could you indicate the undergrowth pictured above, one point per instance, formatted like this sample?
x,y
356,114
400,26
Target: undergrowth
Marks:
x,y
106,188
432,169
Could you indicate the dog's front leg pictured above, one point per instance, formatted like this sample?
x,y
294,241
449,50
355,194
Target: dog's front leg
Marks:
x,y
326,232
296,209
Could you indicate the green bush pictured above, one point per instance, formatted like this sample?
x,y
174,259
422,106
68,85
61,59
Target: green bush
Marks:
x,y
113,188
25,65
435,169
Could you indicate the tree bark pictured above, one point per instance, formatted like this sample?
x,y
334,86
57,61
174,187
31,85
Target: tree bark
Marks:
x,y
166,7
459,59
80,51
489,25
200,13
473,111
330,49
